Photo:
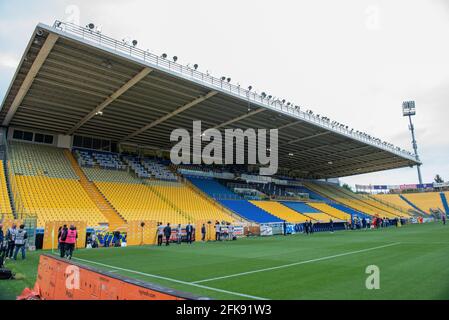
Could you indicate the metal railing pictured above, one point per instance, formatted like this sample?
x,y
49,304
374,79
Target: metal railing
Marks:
x,y
153,60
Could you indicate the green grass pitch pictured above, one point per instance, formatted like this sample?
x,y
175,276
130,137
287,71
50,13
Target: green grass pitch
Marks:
x,y
413,263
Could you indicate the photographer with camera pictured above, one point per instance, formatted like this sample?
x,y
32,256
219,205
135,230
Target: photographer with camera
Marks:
x,y
20,241
10,240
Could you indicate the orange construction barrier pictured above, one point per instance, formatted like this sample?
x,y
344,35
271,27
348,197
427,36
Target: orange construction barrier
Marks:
x,y
60,279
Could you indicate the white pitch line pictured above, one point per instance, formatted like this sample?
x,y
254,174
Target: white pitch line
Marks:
x,y
173,280
295,263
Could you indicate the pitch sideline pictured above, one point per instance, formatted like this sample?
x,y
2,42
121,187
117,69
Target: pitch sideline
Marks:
x,y
296,263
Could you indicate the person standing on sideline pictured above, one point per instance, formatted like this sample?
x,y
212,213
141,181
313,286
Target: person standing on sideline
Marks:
x,y
160,233
167,233
443,218
10,240
179,234
2,246
1,237
189,231
284,225
217,231
20,241
62,236
306,227
331,225
231,231
203,232
311,226
94,240
70,241
59,235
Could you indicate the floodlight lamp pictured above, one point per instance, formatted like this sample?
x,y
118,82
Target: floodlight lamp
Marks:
x,y
164,56
195,66
408,108
91,26
134,43
175,58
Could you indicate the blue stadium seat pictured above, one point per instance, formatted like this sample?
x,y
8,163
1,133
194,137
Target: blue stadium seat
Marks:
x,y
213,188
249,211
300,207
445,203
350,211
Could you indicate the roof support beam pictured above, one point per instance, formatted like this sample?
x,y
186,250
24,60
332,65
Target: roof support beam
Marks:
x,y
327,156
28,81
309,137
170,115
382,164
244,116
365,158
142,74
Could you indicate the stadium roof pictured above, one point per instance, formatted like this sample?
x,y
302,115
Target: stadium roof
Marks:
x,y
74,80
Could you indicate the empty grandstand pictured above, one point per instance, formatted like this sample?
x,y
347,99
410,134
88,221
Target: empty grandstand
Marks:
x,y
87,129
91,143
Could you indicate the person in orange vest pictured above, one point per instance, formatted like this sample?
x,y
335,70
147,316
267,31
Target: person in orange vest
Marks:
x,y
70,241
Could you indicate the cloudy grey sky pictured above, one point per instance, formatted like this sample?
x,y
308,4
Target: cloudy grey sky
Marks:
x,y
352,60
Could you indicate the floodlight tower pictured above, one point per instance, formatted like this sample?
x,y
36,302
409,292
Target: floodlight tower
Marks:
x,y
409,110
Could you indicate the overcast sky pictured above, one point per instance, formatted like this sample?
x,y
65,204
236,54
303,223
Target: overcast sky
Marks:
x,y
352,60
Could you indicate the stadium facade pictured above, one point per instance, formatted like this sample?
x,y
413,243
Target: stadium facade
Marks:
x,y
86,126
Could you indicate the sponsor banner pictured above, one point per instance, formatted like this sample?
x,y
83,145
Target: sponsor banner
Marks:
x,y
408,186
425,186
266,230
59,279
277,228
291,228
400,187
207,174
441,185
239,231
360,187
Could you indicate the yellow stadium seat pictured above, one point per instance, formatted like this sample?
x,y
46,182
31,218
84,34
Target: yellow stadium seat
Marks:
x,y
357,202
323,207
55,199
5,204
425,200
191,203
279,210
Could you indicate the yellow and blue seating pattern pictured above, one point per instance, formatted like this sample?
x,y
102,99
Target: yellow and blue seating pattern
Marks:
x,y
279,210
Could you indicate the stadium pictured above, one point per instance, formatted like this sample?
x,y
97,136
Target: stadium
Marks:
x,y
86,141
